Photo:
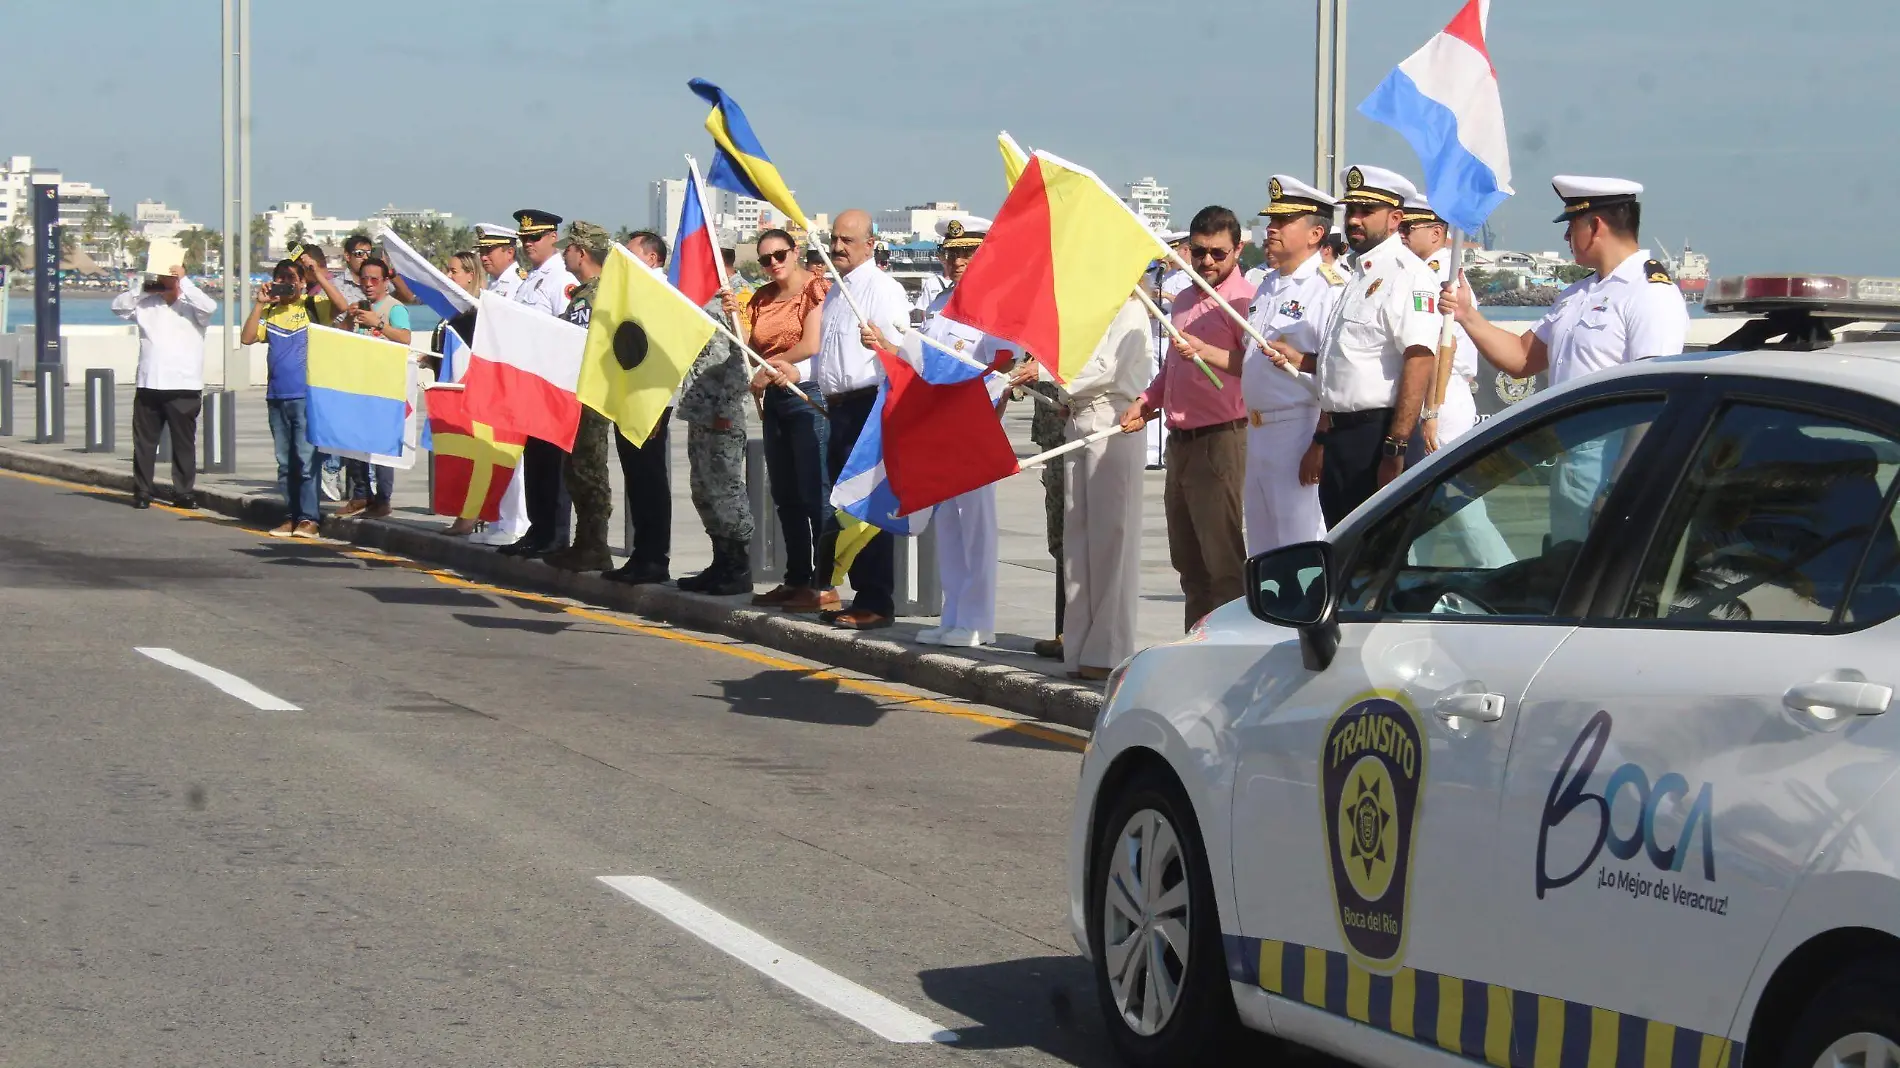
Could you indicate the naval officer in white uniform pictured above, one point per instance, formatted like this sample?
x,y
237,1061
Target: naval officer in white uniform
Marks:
x,y
966,524
1629,308
495,247
547,288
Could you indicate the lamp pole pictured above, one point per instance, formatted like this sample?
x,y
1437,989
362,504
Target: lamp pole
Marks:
x,y
236,71
1329,95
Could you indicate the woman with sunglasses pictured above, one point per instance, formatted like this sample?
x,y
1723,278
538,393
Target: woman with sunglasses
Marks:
x,y
785,328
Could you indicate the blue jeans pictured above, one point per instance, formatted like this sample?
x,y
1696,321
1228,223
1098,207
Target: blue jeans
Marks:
x,y
367,483
795,438
296,458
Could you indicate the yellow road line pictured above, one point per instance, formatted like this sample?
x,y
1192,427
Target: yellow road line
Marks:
x,y
450,578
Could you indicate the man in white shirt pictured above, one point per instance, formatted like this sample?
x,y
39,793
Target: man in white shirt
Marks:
x,y
171,314
548,287
1627,309
495,246
847,372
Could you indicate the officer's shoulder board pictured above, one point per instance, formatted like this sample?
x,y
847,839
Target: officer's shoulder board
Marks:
x,y
1656,272
1332,275
521,274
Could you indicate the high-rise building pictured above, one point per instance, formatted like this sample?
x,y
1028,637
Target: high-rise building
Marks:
x,y
1149,199
735,217
77,200
666,198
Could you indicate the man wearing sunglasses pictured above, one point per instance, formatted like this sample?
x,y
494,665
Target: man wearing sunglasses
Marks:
x,y
1206,421
1381,346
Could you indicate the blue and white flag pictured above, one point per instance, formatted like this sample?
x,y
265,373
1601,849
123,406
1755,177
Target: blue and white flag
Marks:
x,y
429,284
454,356
1444,99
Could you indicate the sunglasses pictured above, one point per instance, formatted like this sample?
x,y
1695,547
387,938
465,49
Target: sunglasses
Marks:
x,y
358,254
1202,253
773,258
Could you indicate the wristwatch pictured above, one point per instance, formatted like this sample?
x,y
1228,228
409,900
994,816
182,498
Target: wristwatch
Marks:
x,y
1426,415
1392,448
1319,438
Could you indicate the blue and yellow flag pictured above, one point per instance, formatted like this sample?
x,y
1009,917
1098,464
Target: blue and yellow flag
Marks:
x,y
741,165
359,391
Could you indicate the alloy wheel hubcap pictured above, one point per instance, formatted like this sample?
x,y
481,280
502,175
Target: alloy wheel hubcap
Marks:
x,y
1862,1049
1145,923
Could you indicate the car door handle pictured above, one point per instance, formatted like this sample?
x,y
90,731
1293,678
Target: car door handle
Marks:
x,y
1483,707
1835,698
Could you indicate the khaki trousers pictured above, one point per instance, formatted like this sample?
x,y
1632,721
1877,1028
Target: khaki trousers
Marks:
x,y
1203,503
1101,550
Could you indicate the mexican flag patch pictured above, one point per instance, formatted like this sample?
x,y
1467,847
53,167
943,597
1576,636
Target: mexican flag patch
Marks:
x,y
1424,301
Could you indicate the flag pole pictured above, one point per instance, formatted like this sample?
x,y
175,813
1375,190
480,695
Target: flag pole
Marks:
x,y
1179,339
1069,447
1447,337
719,266
1195,277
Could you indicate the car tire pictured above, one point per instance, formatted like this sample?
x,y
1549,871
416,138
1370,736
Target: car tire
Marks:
x,y
1853,1022
1152,824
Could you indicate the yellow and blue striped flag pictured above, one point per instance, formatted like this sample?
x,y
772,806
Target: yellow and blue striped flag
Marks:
x,y
359,392
741,165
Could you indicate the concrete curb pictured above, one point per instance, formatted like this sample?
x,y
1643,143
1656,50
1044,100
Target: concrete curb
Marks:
x,y
1026,693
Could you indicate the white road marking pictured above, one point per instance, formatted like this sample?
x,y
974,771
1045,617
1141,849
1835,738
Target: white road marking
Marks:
x,y
869,1010
223,680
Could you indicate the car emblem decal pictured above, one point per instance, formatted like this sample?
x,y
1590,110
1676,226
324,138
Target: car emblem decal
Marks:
x,y
1372,769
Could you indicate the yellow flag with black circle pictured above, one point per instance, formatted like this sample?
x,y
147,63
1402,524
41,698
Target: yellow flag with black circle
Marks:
x,y
641,341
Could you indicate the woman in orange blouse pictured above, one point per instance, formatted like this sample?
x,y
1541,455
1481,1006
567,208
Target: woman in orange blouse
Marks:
x,y
785,316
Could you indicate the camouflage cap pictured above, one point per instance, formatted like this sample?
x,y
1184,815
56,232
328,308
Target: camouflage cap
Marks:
x,y
590,236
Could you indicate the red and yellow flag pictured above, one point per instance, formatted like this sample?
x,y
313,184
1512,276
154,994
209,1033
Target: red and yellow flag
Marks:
x,y
472,462
1058,264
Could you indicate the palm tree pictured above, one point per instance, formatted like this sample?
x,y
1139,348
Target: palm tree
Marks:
x,y
260,238
121,231
136,247
13,248
98,219
298,235
198,244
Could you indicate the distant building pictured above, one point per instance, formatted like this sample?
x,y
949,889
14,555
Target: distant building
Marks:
x,y
152,219
324,230
916,222
391,215
1149,199
736,218
77,200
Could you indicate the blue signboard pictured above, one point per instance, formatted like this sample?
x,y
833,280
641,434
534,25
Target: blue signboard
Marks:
x,y
46,275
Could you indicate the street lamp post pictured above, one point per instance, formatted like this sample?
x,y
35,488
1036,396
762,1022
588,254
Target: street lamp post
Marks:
x,y
1329,96
236,65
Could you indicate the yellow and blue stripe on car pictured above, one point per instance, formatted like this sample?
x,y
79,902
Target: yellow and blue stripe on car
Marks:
x,y
1482,1022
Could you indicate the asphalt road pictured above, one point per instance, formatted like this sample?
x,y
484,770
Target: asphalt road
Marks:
x,y
406,870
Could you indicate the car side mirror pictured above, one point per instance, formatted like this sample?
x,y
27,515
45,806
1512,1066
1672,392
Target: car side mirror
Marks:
x,y
1292,586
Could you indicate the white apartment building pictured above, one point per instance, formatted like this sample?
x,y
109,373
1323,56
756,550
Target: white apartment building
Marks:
x,y
1149,199
918,222
391,215
666,198
735,217
152,219
324,230
76,200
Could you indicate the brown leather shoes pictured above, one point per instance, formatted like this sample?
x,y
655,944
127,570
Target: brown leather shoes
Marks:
x,y
812,601
776,597
859,619
353,506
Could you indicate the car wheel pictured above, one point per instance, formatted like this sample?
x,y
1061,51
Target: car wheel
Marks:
x,y
1160,974
1854,1022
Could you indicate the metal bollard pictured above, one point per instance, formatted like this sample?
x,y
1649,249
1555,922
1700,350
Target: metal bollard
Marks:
x,y
100,416
768,544
919,589
218,427
6,398
49,405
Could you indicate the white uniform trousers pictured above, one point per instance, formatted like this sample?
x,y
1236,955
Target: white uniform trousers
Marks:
x,y
514,506
1279,510
1101,548
1467,538
966,560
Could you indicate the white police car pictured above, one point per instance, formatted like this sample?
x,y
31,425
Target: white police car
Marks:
x,y
1570,749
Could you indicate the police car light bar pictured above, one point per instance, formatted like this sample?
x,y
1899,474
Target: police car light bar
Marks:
x,y
1846,296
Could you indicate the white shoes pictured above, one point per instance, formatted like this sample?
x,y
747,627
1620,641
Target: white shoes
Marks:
x,y
963,638
930,636
494,535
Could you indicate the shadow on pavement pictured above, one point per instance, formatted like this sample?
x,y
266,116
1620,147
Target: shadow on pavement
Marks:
x,y
1022,740
1042,1003
796,696
531,626
434,596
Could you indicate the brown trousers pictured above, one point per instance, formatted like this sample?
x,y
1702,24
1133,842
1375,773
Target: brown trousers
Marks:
x,y
1202,496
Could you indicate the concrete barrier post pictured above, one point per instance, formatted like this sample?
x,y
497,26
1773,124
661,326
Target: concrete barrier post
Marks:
x,y
49,405
6,398
768,545
919,587
100,416
217,428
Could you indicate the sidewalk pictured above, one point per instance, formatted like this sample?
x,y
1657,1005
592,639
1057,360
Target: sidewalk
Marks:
x,y
1008,675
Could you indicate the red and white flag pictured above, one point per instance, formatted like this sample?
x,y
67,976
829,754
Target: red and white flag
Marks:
x,y
523,370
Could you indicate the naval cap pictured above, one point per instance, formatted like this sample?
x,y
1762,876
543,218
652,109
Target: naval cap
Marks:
x,y
1376,186
1419,209
1287,195
533,222
488,235
965,232
1582,193
1173,237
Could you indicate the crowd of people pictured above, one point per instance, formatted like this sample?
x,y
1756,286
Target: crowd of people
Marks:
x,y
1273,431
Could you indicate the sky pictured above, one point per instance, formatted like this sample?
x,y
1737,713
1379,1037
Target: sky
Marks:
x,y
1756,133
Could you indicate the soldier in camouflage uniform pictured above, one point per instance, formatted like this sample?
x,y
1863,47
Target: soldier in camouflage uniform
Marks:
x,y
585,251
1048,428
712,404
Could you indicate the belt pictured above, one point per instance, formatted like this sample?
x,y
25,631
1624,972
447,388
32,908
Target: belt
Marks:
x,y
1259,417
832,400
1204,431
1341,420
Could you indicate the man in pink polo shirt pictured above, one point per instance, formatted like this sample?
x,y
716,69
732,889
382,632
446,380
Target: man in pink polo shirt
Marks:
x,y
1207,424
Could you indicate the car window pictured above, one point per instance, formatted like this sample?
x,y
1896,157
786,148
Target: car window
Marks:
x,y
1499,535
1773,518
